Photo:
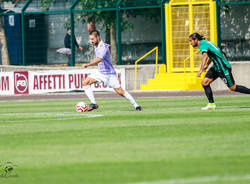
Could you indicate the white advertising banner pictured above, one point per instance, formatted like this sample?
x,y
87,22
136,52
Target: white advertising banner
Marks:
x,y
40,82
6,83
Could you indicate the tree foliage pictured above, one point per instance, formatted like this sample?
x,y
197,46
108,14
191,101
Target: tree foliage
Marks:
x,y
109,17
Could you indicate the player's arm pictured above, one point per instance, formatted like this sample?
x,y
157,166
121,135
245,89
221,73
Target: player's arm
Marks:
x,y
94,62
209,61
203,63
77,45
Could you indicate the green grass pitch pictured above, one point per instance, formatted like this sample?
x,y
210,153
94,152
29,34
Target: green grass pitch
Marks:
x,y
171,142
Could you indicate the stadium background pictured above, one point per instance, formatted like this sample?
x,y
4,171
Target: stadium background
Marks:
x,y
136,40
43,139
134,28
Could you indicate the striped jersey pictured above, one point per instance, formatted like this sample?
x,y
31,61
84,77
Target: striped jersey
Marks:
x,y
215,54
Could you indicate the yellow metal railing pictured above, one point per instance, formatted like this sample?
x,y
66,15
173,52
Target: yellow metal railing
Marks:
x,y
189,57
138,60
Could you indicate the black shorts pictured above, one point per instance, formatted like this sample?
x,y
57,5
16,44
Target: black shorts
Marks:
x,y
226,76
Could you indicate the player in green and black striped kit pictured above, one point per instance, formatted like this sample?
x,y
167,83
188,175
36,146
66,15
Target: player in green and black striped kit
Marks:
x,y
221,68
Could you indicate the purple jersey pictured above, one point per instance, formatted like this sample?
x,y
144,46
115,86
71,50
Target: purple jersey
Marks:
x,y
105,66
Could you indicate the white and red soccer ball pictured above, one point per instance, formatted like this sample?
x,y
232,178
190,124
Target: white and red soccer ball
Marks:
x,y
81,107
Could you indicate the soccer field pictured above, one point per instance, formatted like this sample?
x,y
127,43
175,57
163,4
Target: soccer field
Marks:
x,y
171,142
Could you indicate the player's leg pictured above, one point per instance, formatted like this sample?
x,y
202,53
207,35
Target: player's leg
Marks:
x,y
69,59
129,97
211,75
241,89
207,88
229,80
113,82
89,92
209,93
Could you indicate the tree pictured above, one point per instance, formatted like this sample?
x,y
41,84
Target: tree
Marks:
x,y
3,42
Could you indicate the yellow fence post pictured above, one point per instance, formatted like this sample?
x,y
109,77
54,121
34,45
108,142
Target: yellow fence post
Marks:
x,y
213,35
191,29
170,38
167,22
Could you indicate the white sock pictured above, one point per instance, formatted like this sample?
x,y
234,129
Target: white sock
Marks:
x,y
130,99
89,92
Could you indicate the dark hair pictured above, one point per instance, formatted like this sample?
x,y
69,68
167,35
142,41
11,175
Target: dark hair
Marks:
x,y
68,28
196,36
95,33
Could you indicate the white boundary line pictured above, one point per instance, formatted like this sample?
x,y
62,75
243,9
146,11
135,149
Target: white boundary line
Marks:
x,y
198,180
46,113
58,116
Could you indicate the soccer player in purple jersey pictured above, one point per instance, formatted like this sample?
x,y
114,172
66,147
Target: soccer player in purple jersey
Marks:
x,y
106,72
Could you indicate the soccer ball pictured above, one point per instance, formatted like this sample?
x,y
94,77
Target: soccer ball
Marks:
x,y
81,107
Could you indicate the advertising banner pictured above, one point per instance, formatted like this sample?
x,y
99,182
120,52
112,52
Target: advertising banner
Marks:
x,y
50,81
6,83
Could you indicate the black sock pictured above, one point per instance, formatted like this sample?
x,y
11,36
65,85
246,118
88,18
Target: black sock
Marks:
x,y
242,89
209,93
